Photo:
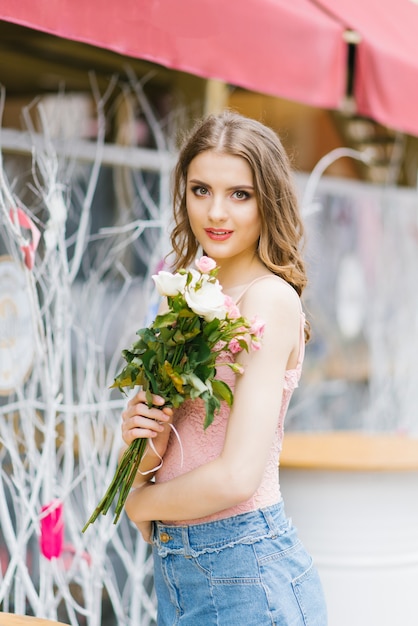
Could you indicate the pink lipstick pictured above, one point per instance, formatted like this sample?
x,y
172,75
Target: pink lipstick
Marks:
x,y
218,234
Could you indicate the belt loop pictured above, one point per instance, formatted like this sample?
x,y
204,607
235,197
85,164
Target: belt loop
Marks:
x,y
267,514
186,543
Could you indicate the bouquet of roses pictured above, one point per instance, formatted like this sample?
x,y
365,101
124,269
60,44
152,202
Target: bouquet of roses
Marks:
x,y
176,357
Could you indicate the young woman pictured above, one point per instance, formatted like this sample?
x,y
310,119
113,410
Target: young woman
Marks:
x,y
224,551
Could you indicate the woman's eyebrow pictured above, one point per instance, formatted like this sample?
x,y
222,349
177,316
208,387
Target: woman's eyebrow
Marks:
x,y
196,181
236,187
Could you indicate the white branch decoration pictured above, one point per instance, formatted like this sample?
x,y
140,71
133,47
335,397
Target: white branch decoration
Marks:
x,y
60,426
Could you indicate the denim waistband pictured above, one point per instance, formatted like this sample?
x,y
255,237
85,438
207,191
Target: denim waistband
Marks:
x,y
245,528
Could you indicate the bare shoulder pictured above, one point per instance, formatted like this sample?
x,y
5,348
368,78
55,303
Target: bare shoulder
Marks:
x,y
278,305
271,293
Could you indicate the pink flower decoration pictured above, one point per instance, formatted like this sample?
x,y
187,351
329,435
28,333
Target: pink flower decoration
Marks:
x,y
52,530
18,216
205,264
257,327
234,346
231,307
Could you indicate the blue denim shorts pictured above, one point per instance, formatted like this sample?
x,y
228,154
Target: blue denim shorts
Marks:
x,y
247,570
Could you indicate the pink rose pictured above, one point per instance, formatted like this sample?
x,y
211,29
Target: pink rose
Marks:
x,y
255,344
234,346
257,327
231,308
205,264
219,345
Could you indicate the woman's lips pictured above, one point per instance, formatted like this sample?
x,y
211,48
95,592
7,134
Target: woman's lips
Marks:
x,y
218,234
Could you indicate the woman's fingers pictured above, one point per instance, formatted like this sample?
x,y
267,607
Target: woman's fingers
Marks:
x,y
140,397
141,427
140,421
133,415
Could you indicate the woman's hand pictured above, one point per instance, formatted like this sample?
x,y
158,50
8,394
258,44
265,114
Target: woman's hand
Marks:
x,y
139,421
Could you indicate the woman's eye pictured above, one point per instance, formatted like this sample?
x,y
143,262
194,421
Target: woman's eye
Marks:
x,y
241,195
200,191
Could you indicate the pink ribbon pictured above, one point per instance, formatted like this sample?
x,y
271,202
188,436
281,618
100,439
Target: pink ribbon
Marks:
x,y
151,445
29,249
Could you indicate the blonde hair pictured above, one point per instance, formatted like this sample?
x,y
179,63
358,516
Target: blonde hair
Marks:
x,y
282,229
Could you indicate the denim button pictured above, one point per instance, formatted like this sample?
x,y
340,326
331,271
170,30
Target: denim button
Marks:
x,y
164,537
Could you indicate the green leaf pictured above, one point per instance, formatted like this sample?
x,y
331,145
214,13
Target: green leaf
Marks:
x,y
176,400
148,359
205,372
196,382
212,405
201,352
165,319
174,376
148,396
223,391
126,378
146,335
190,334
210,327
186,312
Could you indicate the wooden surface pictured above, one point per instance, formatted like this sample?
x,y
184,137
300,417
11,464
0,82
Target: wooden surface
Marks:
x,y
9,619
350,451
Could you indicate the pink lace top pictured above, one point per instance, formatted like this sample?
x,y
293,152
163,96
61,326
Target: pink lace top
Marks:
x,y
201,446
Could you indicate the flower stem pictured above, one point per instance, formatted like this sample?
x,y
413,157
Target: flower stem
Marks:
x,y
122,481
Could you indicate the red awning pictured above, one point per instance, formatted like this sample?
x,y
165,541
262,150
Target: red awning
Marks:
x,y
290,49
386,63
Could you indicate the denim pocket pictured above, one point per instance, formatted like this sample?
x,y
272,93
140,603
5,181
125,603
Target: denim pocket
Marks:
x,y
229,566
309,595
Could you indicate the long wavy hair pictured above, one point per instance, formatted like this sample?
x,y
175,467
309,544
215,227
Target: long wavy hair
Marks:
x,y
282,231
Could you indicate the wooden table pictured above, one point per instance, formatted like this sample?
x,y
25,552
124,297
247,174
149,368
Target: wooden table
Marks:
x,y
10,619
349,451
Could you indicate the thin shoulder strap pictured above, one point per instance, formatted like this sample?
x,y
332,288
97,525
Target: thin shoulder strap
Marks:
x,y
244,291
301,354
256,280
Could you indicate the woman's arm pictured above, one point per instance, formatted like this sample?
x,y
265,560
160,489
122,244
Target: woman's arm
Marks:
x,y
236,474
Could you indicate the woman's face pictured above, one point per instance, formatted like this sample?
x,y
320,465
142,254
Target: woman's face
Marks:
x,y
222,207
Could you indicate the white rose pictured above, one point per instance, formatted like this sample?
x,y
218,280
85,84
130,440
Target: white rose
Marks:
x,y
208,301
169,284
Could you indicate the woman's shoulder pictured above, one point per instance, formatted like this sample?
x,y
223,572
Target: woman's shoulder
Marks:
x,y
270,289
276,302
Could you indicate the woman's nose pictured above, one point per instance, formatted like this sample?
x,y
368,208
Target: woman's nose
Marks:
x,y
217,210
